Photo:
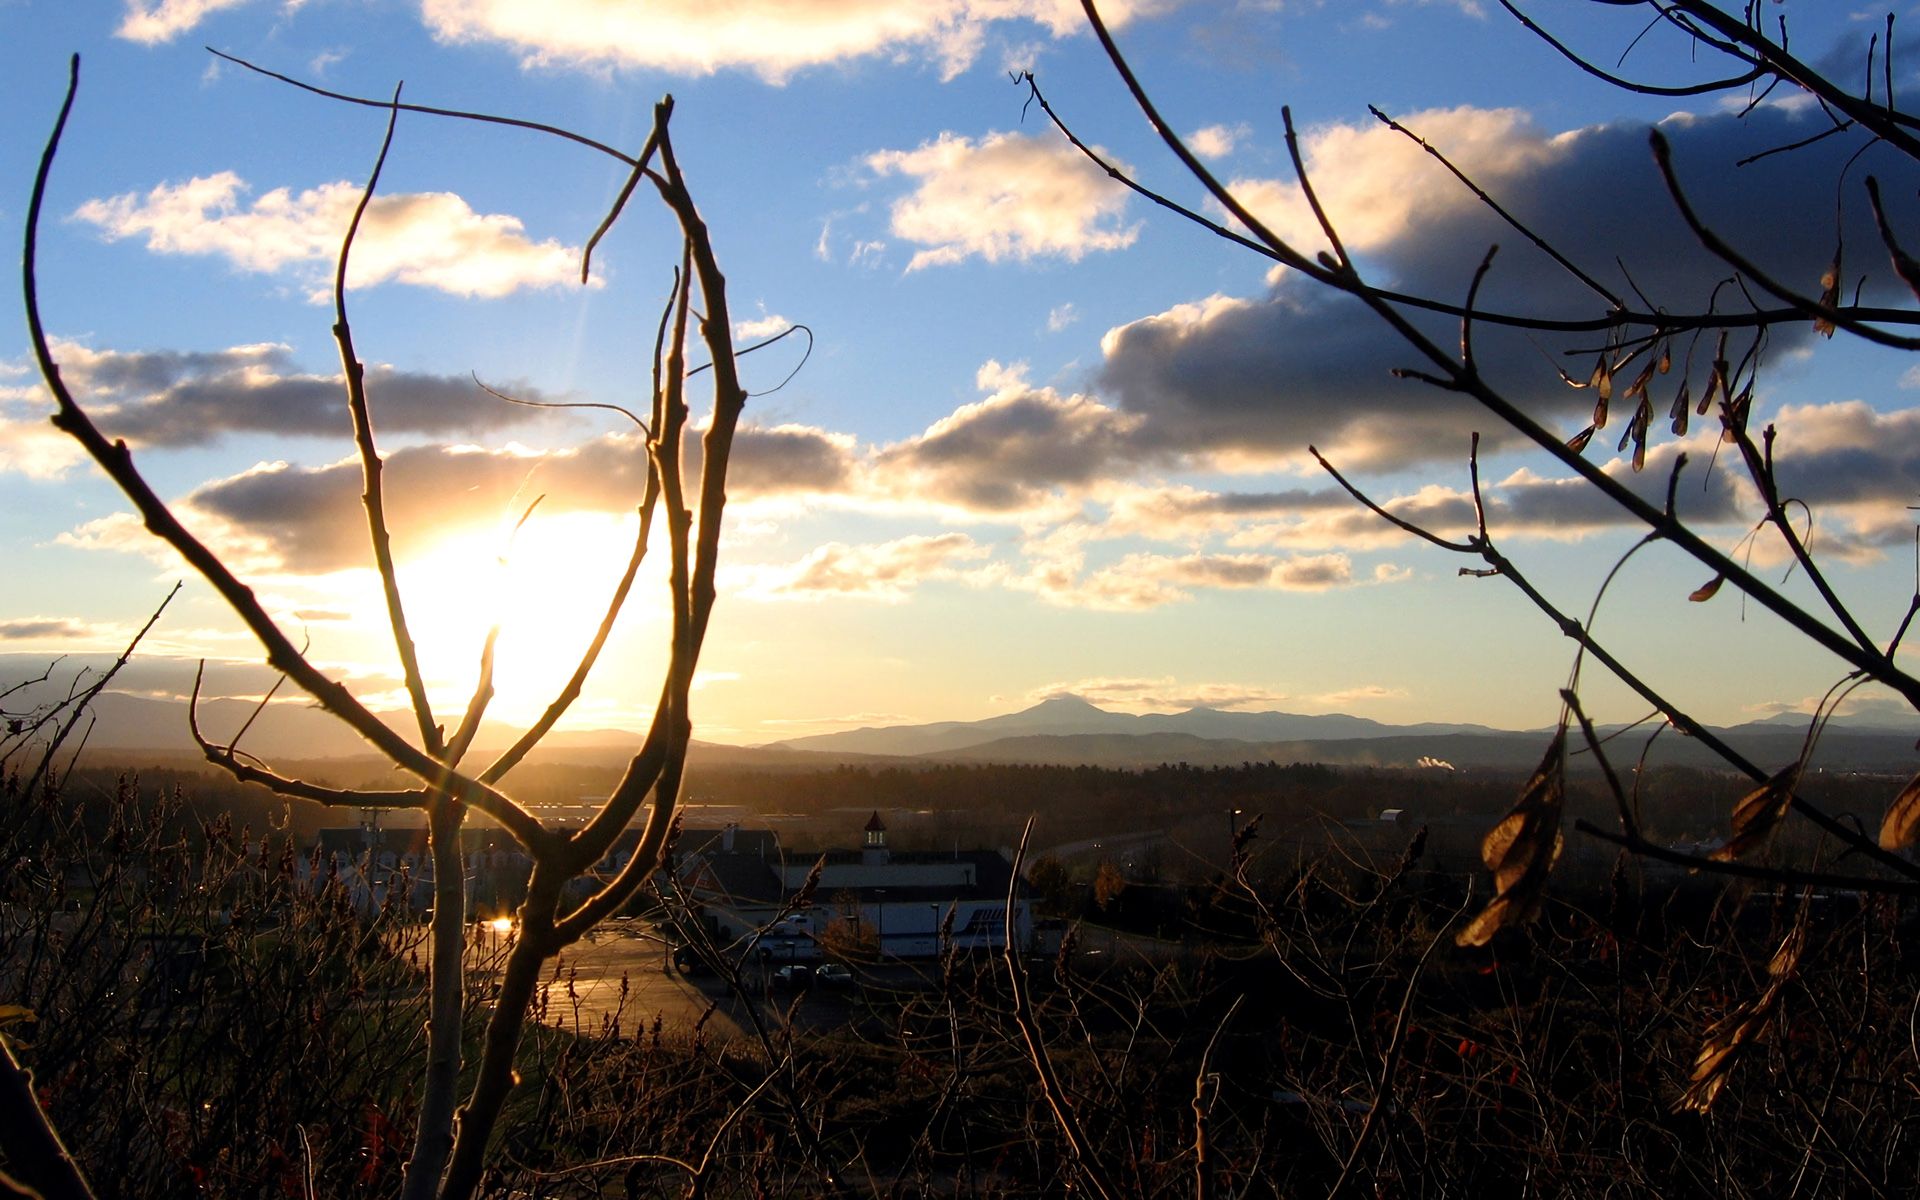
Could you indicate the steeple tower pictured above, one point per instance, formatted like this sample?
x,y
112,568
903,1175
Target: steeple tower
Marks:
x,y
873,853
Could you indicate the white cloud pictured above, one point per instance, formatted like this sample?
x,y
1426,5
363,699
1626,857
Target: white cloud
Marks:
x,y
1165,694
764,326
886,571
29,444
1144,581
1364,694
1060,317
1376,184
772,38
428,239
153,23
1005,196
1217,141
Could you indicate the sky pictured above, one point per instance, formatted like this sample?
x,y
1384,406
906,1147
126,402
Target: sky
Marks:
x,y
1049,438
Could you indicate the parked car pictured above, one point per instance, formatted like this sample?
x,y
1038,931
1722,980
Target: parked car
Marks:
x,y
793,975
833,975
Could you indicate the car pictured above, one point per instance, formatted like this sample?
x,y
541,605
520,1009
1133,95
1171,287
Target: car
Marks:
x,y
793,975
833,975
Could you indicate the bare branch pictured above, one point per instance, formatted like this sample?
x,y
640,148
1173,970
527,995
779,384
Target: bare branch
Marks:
x,y
1818,310
1500,210
373,497
1091,1168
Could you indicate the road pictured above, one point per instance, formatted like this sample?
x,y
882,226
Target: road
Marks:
x,y
615,973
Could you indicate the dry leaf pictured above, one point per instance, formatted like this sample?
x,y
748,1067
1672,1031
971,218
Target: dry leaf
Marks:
x,y
1902,823
1522,848
1758,814
1716,379
1640,382
1707,590
1578,441
1829,295
1735,418
1682,407
1730,1036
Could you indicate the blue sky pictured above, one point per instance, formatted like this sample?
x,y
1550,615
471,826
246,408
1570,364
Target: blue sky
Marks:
x,y
1049,438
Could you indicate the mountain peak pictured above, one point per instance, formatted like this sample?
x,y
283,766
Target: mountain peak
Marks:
x,y
1064,703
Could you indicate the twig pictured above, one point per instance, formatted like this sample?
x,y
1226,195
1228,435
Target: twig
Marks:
x,y
1089,1164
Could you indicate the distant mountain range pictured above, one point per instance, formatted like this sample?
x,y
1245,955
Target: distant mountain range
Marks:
x,y
1066,730
1071,716
1070,730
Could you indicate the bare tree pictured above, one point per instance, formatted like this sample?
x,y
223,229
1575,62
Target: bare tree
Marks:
x,y
451,1150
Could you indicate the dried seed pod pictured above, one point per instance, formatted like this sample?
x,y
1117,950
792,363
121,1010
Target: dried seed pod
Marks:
x,y
1707,590
1902,822
1727,1041
1758,814
1829,295
1522,848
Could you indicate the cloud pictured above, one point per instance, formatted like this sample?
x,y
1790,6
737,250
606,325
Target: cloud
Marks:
x,y
1145,581
153,23
771,38
763,326
176,398
29,444
1164,694
1182,512
309,519
1006,196
1217,141
1249,382
427,239
1061,316
1868,705
1009,452
1364,694
38,629
1167,694
886,571
1378,186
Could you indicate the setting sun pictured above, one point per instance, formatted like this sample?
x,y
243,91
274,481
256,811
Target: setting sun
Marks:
x,y
546,587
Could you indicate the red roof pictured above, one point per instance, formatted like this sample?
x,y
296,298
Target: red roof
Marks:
x,y
874,824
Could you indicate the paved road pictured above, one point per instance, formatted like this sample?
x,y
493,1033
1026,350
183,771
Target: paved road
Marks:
x,y
615,973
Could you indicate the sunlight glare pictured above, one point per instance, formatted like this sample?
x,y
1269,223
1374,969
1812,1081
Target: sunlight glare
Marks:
x,y
547,587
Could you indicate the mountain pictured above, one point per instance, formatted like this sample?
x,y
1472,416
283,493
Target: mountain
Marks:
x,y
1073,717
1068,730
1065,730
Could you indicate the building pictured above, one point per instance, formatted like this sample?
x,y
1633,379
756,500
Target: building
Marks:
x,y
869,901
372,863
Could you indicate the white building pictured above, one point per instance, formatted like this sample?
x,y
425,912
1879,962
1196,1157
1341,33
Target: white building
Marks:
x,y
892,905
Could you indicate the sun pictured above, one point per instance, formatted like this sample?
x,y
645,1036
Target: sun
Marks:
x,y
546,586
